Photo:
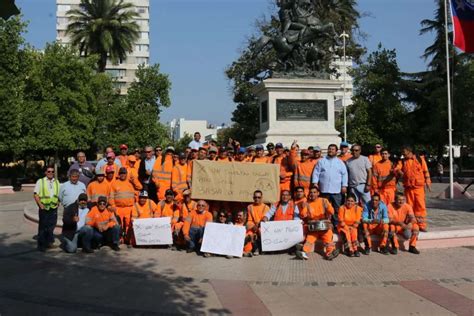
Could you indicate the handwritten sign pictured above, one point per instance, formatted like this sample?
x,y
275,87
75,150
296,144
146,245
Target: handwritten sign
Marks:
x,y
153,231
234,181
281,235
223,239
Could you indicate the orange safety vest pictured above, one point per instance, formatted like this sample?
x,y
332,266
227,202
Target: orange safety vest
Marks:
x,y
288,215
382,170
96,189
144,211
316,210
255,214
122,194
161,174
259,159
415,172
168,210
349,215
179,181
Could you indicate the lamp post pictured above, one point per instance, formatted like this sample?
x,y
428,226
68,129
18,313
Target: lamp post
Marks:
x,y
344,35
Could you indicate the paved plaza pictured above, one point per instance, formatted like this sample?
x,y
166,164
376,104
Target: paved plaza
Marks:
x,y
160,281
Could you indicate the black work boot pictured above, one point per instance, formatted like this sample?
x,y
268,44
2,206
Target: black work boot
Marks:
x,y
383,250
367,250
413,250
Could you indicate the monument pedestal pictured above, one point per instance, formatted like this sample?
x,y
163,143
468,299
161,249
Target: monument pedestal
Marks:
x,y
301,109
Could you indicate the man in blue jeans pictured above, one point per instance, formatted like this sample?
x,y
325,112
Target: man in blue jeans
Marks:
x,y
101,227
360,175
73,228
330,176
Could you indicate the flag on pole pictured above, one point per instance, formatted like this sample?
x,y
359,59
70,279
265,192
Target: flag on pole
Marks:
x,y
463,24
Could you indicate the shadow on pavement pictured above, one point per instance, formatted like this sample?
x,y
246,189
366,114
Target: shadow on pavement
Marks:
x,y
100,283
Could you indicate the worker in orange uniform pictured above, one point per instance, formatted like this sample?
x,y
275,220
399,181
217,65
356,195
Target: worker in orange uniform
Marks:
x,y
97,187
240,220
403,222
270,151
110,175
123,157
144,207
169,208
259,155
223,155
374,158
132,175
121,200
188,205
194,226
302,169
111,163
286,170
161,175
300,196
385,178
415,174
349,217
375,222
255,213
284,210
101,227
179,175
345,154
201,155
317,209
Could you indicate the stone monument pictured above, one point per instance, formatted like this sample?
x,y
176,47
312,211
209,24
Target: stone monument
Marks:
x,y
301,109
297,101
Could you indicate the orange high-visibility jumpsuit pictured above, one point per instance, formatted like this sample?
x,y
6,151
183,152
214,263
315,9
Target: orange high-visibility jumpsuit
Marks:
x,y
96,189
302,171
373,160
286,216
403,214
349,220
255,214
161,174
146,210
179,181
319,209
256,159
132,176
123,160
286,171
196,219
415,176
248,238
385,181
122,197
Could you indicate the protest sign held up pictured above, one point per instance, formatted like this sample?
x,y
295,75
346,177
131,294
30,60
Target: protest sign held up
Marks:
x,y
223,239
281,235
234,181
153,231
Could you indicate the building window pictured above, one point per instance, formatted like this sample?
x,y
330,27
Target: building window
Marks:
x,y
61,34
64,7
142,60
116,73
142,10
141,48
144,35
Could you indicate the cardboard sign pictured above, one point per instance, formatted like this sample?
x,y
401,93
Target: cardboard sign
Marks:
x,y
281,235
223,239
234,181
153,231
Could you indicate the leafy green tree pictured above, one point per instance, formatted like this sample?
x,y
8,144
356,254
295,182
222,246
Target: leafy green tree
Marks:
x,y
14,62
377,114
251,68
104,27
134,119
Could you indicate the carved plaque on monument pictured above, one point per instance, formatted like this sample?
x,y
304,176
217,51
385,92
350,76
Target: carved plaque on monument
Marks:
x,y
302,110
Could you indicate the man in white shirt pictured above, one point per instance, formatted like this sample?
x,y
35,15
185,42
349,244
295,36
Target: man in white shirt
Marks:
x,y
196,142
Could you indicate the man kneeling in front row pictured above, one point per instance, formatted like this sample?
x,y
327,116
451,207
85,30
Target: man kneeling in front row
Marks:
x,y
101,226
193,228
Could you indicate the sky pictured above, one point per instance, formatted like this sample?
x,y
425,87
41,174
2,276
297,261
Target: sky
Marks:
x,y
195,40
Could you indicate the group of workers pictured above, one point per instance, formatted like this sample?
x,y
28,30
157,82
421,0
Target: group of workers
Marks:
x,y
343,192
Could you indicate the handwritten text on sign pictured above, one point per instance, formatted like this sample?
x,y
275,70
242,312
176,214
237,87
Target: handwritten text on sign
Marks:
x,y
234,181
153,231
281,235
223,239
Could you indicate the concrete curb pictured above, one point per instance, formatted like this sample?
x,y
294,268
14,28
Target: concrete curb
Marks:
x,y
7,189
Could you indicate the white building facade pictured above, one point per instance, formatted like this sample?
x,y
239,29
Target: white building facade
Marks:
x,y
124,73
180,127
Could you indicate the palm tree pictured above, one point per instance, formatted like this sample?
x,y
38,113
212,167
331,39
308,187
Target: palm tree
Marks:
x,y
103,27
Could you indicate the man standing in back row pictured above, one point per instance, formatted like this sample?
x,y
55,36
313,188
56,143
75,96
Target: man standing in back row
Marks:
x,y
360,175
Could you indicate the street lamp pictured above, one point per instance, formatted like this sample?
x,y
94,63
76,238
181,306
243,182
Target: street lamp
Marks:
x,y
344,35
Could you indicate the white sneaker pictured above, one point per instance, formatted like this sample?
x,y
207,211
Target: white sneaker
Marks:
x,y
301,255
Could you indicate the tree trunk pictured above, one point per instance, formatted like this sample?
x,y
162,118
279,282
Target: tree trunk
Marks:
x,y
102,62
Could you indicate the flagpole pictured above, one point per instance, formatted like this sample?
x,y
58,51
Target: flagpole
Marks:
x,y
450,128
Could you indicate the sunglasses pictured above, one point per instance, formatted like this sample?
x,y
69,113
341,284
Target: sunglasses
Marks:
x,y
49,171
102,203
148,151
222,215
257,197
378,146
201,205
